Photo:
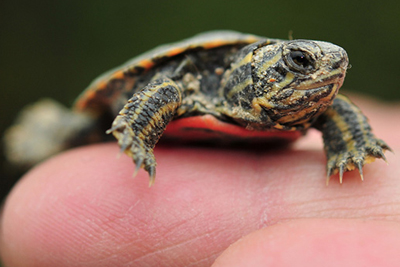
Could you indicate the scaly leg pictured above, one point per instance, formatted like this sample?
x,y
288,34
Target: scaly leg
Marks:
x,y
142,121
348,139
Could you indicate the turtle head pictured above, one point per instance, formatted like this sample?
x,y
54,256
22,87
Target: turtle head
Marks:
x,y
290,83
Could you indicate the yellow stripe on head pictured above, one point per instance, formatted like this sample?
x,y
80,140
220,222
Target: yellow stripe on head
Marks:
x,y
267,64
239,87
245,60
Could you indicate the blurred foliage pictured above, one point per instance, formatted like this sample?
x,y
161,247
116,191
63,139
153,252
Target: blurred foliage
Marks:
x,y
55,48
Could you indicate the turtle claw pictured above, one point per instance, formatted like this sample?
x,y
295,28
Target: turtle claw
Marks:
x,y
384,159
382,156
327,179
152,175
360,171
384,146
341,171
379,151
138,165
150,167
144,159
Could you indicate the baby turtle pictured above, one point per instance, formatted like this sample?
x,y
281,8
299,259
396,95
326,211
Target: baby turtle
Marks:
x,y
220,85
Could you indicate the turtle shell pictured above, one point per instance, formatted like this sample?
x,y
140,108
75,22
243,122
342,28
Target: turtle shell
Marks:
x,y
101,93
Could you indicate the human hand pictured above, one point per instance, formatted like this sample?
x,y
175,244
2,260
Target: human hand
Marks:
x,y
82,208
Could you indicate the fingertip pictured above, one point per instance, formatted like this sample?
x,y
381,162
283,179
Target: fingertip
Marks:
x,y
317,242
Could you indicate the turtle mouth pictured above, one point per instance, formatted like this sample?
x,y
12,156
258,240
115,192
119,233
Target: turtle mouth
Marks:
x,y
320,81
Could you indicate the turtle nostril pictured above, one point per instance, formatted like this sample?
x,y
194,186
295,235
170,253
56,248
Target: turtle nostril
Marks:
x,y
337,64
341,62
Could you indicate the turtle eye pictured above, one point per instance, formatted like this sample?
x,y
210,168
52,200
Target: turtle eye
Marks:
x,y
299,61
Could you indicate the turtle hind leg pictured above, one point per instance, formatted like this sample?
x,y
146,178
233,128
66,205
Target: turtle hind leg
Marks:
x,y
46,128
348,139
143,120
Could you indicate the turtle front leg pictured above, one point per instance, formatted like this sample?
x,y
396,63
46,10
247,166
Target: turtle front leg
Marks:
x,y
143,120
348,139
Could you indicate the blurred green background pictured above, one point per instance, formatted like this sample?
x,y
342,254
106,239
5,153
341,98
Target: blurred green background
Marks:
x,y
55,48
